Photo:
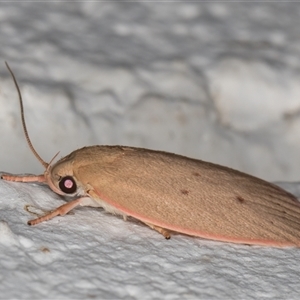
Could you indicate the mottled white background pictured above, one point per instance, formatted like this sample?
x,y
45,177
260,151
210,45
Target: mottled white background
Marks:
x,y
215,81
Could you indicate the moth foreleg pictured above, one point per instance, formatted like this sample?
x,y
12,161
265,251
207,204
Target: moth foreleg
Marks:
x,y
60,211
23,178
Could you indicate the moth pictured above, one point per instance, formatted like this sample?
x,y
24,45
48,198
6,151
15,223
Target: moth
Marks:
x,y
170,193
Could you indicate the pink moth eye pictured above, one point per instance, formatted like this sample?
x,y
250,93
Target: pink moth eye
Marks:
x,y
68,185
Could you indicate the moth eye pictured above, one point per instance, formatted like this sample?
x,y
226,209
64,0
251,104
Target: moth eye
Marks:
x,y
68,185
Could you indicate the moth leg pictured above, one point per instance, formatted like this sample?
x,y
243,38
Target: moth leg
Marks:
x,y
29,208
161,230
23,178
60,211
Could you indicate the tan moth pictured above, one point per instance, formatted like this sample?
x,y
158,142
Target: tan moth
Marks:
x,y
171,193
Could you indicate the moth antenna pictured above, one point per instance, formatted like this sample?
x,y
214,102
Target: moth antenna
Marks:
x,y
49,164
23,119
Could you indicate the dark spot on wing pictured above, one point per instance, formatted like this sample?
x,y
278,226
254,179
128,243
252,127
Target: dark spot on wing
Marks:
x,y
196,174
184,192
240,199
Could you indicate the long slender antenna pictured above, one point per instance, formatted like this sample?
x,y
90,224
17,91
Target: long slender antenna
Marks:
x,y
23,119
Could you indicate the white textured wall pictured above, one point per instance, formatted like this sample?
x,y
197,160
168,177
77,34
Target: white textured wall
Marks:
x,y
218,81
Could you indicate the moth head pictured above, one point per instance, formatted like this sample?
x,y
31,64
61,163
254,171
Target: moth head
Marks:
x,y
61,179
